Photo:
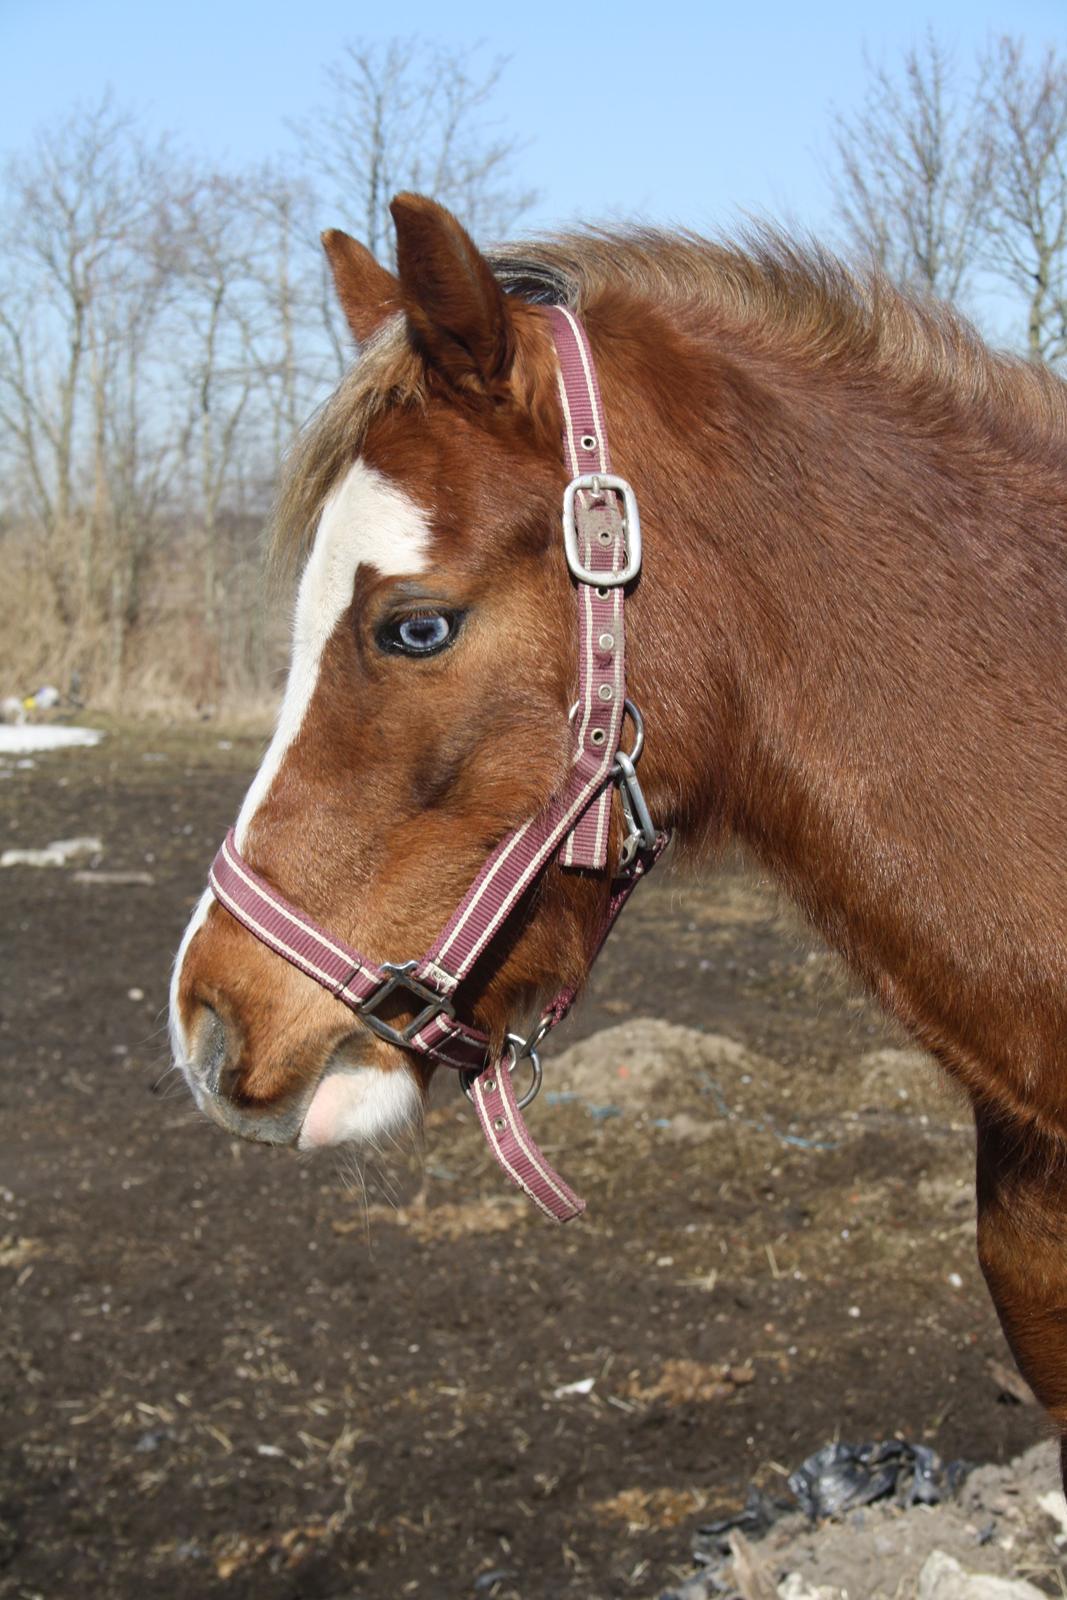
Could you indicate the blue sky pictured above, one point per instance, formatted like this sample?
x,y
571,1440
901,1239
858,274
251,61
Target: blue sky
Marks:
x,y
669,113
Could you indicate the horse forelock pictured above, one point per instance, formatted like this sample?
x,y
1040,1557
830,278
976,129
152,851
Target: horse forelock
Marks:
x,y
387,373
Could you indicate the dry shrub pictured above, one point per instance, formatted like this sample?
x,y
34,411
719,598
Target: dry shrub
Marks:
x,y
161,656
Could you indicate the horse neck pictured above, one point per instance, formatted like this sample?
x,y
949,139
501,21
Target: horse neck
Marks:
x,y
842,579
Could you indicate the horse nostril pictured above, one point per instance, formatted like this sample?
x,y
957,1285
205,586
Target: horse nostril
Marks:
x,y
214,1060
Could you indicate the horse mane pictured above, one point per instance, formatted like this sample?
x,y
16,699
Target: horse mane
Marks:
x,y
787,297
772,296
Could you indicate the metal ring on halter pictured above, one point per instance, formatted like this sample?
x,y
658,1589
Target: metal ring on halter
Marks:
x,y
519,1050
630,710
639,731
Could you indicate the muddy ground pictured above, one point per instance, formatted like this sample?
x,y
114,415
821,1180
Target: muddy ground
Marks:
x,y
231,1371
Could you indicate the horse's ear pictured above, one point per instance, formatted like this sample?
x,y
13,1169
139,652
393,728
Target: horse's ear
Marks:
x,y
456,308
367,292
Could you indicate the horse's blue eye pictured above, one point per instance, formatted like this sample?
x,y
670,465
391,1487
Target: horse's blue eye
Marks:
x,y
422,635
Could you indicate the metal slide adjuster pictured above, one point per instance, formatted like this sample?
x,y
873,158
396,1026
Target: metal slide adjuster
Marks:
x,y
434,1005
596,482
518,1049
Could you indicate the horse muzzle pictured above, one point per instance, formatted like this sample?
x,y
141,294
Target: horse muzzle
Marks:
x,y
270,1058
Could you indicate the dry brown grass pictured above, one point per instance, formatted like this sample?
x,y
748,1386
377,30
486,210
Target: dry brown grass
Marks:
x,y
684,1382
165,660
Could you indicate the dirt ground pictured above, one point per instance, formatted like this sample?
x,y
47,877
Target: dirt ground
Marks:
x,y
232,1371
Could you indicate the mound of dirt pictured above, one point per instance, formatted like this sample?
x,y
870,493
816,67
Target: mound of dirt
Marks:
x,y
893,1079
1001,1537
627,1065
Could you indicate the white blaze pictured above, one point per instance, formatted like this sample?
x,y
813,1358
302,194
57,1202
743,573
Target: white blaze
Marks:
x,y
366,521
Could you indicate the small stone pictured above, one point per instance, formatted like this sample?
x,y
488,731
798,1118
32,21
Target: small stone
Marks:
x,y
583,1386
942,1578
148,1442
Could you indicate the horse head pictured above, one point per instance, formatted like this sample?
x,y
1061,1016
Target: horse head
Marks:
x,y
434,661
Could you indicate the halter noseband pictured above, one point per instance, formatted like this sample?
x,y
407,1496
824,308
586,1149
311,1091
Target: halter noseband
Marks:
x,y
602,541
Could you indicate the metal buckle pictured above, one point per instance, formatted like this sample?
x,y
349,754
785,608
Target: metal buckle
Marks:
x,y
435,1006
519,1049
596,482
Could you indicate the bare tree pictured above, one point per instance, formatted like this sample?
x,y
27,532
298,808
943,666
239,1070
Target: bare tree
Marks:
x,y
163,330
208,243
945,182
136,447
1026,244
73,273
408,115
284,326
913,178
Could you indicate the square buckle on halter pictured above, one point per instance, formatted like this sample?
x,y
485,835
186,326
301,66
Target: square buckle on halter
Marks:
x,y
434,1005
596,483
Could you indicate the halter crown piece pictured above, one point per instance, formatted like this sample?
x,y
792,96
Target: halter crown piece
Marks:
x,y
602,541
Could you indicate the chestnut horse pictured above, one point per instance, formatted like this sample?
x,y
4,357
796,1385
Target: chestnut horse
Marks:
x,y
849,641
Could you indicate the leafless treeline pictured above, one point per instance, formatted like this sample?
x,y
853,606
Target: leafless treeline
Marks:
x,y
954,178
164,329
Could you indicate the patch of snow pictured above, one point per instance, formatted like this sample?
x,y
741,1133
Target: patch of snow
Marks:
x,y
56,854
119,880
16,740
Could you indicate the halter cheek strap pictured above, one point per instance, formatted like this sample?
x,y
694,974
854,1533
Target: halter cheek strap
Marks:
x,y
602,540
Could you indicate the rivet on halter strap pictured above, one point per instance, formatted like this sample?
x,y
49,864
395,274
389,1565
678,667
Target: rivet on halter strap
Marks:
x,y
602,541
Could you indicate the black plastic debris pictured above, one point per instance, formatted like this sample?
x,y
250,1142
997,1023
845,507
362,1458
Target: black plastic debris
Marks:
x,y
840,1477
712,1540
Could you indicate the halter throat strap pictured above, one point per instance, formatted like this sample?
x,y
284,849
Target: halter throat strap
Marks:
x,y
602,542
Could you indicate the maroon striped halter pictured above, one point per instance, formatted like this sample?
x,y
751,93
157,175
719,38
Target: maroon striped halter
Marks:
x,y
602,540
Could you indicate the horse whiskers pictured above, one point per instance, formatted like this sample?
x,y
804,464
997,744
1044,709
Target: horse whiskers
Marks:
x,y
351,1176
171,1070
172,1090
